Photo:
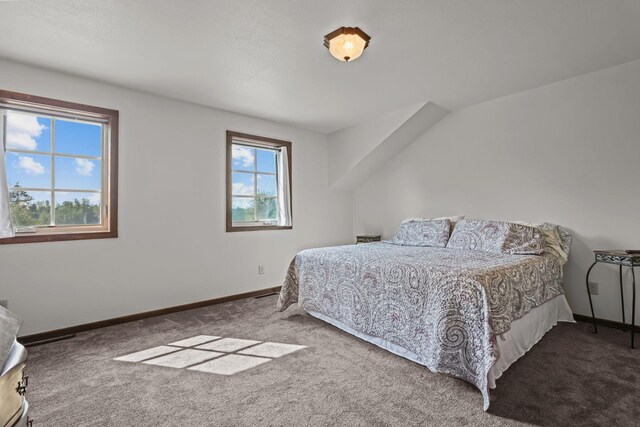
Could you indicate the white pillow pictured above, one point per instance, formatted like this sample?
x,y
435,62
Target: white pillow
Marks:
x,y
453,219
406,220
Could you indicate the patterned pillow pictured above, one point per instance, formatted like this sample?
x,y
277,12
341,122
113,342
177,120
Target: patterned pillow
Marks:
x,y
496,236
423,233
453,219
557,241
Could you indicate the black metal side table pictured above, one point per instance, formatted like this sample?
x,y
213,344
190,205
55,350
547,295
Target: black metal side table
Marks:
x,y
622,259
367,238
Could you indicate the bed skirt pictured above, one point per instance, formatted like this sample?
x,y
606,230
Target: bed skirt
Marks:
x,y
513,344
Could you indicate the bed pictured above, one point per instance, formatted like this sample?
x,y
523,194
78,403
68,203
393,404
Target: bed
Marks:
x,y
462,309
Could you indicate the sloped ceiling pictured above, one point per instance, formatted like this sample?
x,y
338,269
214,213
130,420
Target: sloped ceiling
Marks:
x,y
358,151
266,59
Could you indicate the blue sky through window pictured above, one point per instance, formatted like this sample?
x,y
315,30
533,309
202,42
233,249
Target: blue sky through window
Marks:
x,y
28,170
253,177
250,159
266,161
242,202
77,173
65,196
53,158
40,196
78,138
243,158
243,184
30,133
267,185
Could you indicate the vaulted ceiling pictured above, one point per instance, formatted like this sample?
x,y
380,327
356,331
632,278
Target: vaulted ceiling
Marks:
x,y
266,59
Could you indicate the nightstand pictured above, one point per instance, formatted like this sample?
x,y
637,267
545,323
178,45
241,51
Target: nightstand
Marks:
x,y
368,238
622,259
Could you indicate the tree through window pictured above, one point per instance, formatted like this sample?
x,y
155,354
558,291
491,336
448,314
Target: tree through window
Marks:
x,y
60,160
256,196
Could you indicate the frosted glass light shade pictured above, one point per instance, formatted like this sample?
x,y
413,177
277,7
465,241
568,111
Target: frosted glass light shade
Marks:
x,y
346,43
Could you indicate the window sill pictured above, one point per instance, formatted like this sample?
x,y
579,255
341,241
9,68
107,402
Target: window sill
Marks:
x,y
58,236
233,228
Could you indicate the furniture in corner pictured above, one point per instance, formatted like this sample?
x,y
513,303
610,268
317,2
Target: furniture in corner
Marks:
x,y
364,238
620,258
14,409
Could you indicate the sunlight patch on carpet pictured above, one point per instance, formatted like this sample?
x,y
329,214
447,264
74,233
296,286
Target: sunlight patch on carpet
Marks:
x,y
139,356
227,345
212,354
271,349
190,342
230,364
183,358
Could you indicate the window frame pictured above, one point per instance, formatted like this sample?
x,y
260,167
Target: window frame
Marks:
x,y
109,179
265,143
255,173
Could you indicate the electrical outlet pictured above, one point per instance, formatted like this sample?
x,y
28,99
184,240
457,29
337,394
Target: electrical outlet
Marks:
x,y
4,303
260,269
593,288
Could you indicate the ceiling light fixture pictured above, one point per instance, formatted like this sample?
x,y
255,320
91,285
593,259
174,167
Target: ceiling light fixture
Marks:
x,y
346,43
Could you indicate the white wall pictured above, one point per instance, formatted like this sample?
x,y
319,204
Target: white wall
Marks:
x,y
358,151
567,153
173,248
348,146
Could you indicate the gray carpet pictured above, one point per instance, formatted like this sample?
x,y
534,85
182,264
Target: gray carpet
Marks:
x,y
572,377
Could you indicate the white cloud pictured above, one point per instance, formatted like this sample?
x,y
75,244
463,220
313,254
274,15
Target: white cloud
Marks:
x,y
241,188
66,196
84,167
30,166
243,154
21,131
243,202
95,198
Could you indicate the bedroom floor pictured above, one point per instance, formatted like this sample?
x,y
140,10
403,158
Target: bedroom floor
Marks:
x,y
571,377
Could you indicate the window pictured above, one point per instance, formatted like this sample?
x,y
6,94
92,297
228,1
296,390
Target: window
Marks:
x,y
258,183
61,164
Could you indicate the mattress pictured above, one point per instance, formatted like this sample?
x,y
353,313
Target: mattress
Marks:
x,y
447,308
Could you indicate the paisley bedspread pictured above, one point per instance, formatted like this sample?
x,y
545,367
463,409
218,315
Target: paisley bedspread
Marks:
x,y
447,306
